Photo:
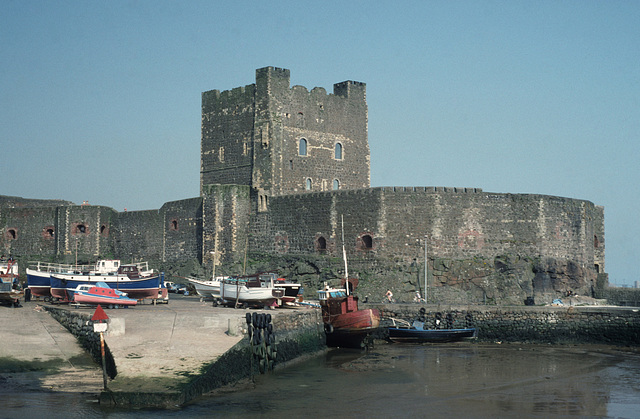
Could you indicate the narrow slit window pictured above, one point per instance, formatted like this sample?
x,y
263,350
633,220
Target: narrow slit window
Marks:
x,y
302,147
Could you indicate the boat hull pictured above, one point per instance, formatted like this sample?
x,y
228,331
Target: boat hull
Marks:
x,y
39,282
206,288
138,289
350,330
230,292
88,298
430,335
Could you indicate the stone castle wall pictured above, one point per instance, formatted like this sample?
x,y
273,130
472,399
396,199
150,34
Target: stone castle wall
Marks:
x,y
564,325
460,223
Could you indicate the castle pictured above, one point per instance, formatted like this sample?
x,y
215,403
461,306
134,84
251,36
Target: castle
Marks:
x,y
282,166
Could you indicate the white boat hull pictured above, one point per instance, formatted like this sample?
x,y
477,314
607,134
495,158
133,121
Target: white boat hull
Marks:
x,y
231,292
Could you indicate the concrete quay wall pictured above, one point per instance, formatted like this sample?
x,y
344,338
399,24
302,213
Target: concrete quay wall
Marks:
x,y
297,333
80,325
557,325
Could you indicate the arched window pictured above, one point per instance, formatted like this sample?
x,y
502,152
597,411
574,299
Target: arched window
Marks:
x,y
308,184
302,147
367,242
173,225
321,244
336,184
338,152
81,229
11,234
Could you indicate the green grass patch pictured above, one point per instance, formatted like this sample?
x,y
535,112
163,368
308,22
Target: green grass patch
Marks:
x,y
12,365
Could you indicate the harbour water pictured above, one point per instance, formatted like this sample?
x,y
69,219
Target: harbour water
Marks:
x,y
448,380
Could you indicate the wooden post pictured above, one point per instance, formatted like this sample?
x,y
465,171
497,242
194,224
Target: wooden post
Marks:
x,y
104,361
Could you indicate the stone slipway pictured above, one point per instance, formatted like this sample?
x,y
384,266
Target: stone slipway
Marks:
x,y
155,347
163,344
36,353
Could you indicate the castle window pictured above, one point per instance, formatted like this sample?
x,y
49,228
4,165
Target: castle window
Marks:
x,y
221,154
321,244
173,225
48,232
290,164
596,242
302,147
11,234
338,152
367,242
263,204
80,229
308,184
104,231
336,184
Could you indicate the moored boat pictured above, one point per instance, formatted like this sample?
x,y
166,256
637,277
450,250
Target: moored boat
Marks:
x,y
345,324
416,333
100,293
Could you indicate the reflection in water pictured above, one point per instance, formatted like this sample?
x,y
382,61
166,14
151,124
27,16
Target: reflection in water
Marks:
x,y
447,380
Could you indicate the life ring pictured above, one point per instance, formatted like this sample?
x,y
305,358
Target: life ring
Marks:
x,y
328,328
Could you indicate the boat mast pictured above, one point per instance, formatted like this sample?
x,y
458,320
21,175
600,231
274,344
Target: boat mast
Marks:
x,y
344,256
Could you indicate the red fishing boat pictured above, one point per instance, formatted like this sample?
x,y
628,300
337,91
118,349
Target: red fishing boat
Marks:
x,y
344,324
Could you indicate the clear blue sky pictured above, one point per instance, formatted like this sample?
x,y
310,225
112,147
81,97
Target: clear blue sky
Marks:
x,y
100,100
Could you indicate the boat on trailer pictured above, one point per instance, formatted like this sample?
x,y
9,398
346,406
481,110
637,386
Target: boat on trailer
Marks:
x,y
39,273
129,278
252,290
9,292
100,293
207,288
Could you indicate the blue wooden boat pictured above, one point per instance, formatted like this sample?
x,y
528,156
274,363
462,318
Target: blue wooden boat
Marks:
x,y
416,333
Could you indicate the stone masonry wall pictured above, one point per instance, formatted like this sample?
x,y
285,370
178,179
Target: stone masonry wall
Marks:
x,y
459,223
182,226
81,326
226,211
138,235
573,324
227,136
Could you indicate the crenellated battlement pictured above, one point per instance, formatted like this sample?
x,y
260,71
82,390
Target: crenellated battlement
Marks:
x,y
429,189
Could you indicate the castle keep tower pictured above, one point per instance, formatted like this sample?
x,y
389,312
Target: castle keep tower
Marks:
x,y
281,140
